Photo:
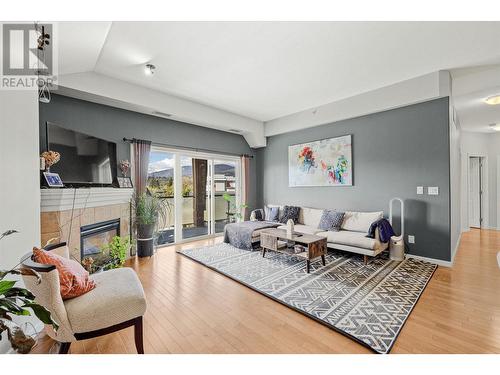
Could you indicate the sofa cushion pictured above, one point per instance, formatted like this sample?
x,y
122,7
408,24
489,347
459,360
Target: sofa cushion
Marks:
x,y
360,221
290,213
118,297
306,229
271,213
310,216
331,220
280,208
349,238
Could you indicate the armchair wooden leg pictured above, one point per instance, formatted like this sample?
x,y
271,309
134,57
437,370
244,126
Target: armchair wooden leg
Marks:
x,y
138,336
64,348
365,259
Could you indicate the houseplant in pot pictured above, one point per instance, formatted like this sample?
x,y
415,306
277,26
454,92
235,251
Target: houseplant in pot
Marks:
x,y
149,212
18,301
235,210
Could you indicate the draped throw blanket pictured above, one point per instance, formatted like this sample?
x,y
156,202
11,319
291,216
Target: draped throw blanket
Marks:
x,y
384,228
240,234
141,163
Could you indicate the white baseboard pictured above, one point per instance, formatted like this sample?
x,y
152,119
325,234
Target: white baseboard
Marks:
x,y
439,262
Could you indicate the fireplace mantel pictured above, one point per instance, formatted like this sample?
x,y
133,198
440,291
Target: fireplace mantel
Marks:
x,y
66,211
62,199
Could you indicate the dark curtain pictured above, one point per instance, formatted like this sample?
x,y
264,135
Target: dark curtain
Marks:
x,y
141,164
200,170
245,180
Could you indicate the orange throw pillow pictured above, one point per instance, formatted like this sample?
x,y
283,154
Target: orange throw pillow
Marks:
x,y
73,278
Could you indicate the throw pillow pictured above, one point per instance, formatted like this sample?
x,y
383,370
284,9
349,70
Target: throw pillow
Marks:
x,y
290,212
257,215
331,220
271,213
74,280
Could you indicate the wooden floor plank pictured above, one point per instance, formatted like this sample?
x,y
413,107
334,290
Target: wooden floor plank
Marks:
x,y
192,309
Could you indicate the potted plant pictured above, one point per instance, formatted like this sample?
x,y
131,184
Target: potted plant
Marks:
x,y
149,211
235,210
19,301
117,250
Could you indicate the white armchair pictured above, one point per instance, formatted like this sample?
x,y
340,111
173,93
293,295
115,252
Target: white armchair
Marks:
x,y
117,302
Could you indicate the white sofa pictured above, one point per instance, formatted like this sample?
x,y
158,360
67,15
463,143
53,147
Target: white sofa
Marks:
x,y
351,237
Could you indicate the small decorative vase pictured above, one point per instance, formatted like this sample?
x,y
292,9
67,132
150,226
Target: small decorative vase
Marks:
x,y
289,228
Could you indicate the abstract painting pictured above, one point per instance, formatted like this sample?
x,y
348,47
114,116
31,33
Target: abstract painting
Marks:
x,y
321,163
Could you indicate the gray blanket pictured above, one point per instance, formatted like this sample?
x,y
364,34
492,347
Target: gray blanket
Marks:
x,y
240,234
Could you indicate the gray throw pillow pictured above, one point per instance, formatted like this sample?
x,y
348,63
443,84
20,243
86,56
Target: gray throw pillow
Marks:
x,y
290,212
331,220
271,213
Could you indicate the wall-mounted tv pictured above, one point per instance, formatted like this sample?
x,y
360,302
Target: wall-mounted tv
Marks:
x,y
85,160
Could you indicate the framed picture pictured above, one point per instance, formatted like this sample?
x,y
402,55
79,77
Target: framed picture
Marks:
x,y
327,162
125,182
53,179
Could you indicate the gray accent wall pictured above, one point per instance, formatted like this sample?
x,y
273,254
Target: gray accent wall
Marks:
x,y
393,152
112,124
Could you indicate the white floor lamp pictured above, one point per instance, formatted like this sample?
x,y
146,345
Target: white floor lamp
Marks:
x,y
397,243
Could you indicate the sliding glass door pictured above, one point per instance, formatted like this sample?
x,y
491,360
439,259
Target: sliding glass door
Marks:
x,y
202,192
226,195
161,183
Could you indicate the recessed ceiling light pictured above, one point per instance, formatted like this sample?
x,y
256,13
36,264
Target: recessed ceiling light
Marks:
x,y
495,127
149,69
493,100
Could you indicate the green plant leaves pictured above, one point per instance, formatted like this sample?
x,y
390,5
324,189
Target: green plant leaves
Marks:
x,y
5,285
9,305
19,292
43,314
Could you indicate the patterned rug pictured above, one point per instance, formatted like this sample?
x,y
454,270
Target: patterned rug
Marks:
x,y
368,303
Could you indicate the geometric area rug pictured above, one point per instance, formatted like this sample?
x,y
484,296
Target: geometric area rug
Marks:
x,y
368,303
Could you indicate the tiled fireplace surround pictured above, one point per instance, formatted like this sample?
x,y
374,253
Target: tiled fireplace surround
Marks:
x,y
91,205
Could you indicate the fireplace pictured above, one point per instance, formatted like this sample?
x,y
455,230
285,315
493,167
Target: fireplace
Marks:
x,y
94,236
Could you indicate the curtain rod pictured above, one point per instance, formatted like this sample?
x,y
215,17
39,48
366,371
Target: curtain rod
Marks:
x,y
187,148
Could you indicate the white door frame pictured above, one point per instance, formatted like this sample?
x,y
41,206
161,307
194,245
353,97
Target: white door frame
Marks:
x,y
484,188
211,157
498,195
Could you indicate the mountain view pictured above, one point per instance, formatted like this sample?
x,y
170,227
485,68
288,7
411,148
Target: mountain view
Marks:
x,y
187,171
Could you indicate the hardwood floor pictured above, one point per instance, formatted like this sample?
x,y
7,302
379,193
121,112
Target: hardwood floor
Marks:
x,y
192,309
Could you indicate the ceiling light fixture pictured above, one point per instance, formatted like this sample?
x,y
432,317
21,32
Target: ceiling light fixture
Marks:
x,y
493,100
495,127
161,114
149,69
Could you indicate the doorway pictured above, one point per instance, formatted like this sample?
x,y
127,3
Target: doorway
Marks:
x,y
476,191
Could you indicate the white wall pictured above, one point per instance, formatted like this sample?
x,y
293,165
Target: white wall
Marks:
x,y
455,186
416,90
488,145
19,184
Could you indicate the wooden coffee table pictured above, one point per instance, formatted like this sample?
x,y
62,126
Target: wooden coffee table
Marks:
x,y
277,240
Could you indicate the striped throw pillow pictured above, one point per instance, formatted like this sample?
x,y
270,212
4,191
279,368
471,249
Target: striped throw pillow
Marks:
x,y
74,280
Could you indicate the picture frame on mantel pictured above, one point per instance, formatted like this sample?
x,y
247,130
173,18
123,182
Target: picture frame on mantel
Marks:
x,y
53,180
125,182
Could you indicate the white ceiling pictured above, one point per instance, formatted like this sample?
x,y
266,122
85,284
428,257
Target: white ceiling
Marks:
x,y
470,88
266,70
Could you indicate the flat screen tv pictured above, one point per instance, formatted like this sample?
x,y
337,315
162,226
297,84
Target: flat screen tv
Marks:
x,y
85,160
